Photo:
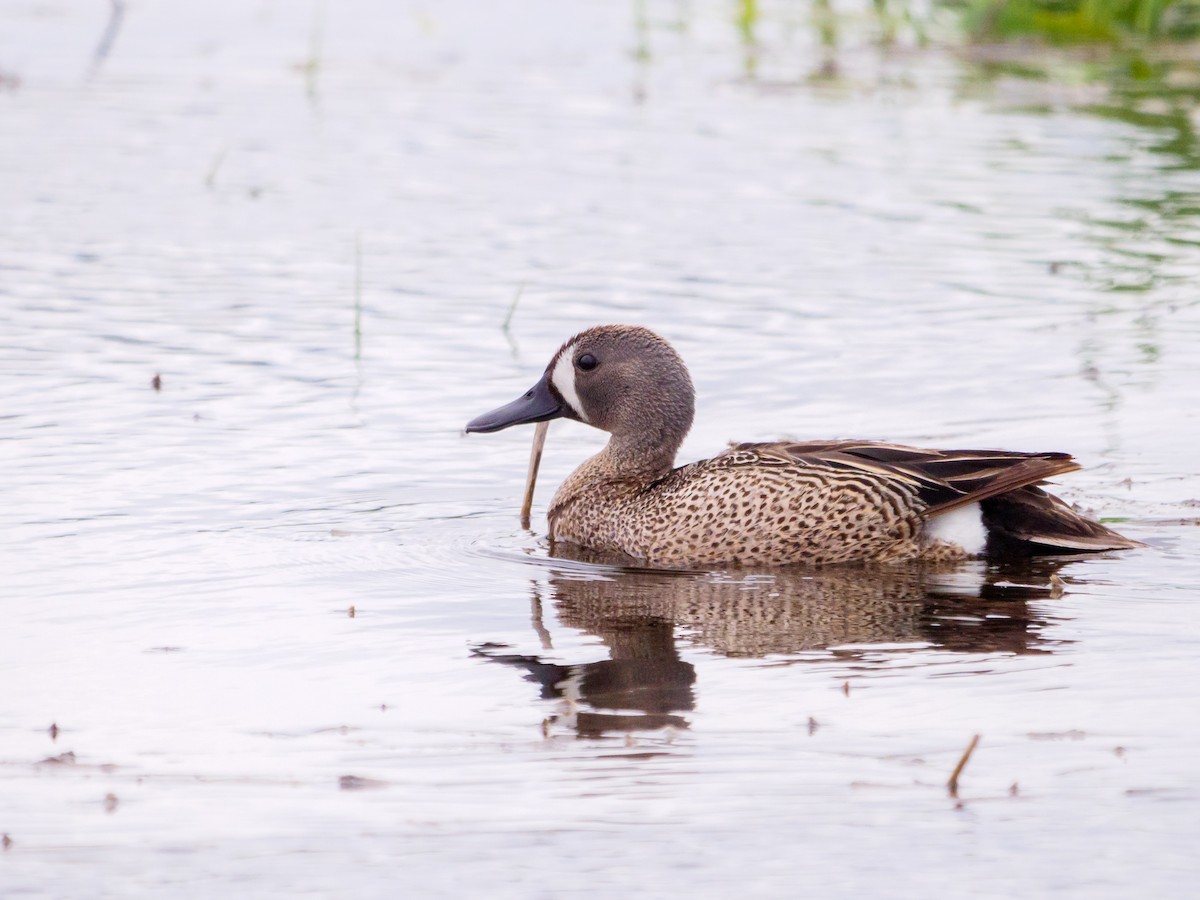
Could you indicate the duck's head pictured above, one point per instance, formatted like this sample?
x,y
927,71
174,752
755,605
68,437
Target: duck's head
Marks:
x,y
623,379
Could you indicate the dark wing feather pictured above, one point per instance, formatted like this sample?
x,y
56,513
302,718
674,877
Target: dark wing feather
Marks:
x,y
1031,516
1004,482
944,479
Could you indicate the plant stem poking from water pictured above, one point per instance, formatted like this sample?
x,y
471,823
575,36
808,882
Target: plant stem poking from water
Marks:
x,y
747,23
952,784
311,67
825,21
641,50
210,180
505,325
535,460
512,308
115,18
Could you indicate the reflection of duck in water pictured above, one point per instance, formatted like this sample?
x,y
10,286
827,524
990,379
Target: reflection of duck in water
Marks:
x,y
646,684
637,689
773,503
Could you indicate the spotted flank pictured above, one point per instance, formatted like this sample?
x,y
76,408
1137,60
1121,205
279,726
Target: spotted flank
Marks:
x,y
817,502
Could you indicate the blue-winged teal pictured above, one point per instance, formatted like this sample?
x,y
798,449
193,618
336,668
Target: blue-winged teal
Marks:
x,y
773,503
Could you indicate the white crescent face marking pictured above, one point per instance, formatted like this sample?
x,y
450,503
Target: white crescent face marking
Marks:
x,y
563,379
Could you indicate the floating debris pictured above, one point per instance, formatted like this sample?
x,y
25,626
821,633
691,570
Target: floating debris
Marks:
x,y
111,803
63,759
952,784
358,783
156,382
1073,735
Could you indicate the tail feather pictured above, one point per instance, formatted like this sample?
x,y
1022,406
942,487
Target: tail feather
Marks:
x,y
1011,478
1031,517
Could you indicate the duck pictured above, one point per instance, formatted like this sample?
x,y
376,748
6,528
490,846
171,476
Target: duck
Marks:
x,y
780,502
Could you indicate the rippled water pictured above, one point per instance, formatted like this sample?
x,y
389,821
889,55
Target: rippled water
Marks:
x,y
274,628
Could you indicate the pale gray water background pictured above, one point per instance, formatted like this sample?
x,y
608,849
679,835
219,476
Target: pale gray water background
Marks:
x,y
906,252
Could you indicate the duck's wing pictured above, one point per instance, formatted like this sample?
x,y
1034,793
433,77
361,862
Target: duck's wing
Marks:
x,y
1004,483
943,479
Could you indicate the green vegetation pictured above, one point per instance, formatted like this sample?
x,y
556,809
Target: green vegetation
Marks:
x,y
1054,21
1080,21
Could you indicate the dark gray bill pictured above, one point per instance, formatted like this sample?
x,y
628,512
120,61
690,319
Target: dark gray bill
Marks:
x,y
538,404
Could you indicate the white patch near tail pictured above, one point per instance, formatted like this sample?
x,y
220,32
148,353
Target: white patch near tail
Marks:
x,y
563,379
962,527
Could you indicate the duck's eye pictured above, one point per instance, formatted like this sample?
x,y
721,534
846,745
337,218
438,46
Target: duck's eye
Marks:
x,y
587,362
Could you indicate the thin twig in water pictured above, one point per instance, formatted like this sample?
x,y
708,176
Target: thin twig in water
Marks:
x,y
312,66
210,180
512,308
952,784
535,460
109,37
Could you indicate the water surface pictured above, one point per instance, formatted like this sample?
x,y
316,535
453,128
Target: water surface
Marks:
x,y
274,628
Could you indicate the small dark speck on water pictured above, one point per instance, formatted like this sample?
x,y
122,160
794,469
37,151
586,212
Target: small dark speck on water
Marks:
x,y
1148,792
1072,735
846,688
63,759
813,725
5,842
1055,267
110,803
358,783
53,729
351,612
156,382
1014,790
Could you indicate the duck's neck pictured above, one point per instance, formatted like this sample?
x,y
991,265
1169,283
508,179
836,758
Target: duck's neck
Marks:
x,y
625,466
639,457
